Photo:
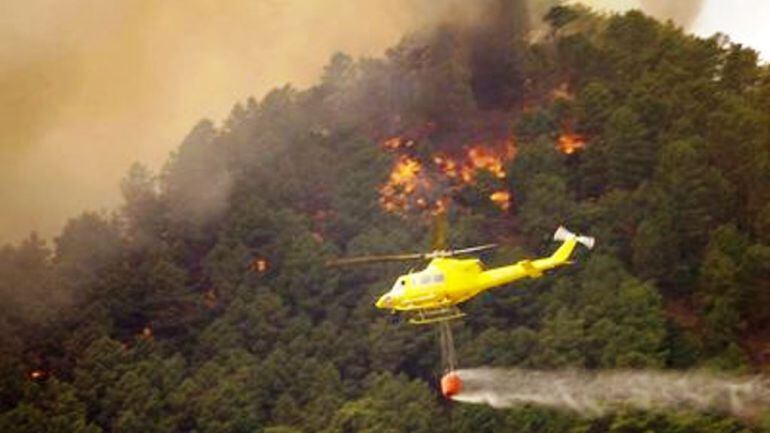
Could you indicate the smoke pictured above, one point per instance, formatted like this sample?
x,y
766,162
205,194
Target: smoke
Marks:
x,y
682,12
594,394
197,181
87,88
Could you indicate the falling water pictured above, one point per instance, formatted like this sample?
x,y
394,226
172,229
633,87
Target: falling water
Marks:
x,y
447,343
595,393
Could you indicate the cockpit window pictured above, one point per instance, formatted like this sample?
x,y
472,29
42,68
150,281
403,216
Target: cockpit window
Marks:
x,y
399,288
428,278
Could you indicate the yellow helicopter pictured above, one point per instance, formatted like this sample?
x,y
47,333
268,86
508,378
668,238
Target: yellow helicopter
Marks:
x,y
433,293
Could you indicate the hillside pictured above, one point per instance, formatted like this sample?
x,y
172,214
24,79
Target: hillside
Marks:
x,y
203,304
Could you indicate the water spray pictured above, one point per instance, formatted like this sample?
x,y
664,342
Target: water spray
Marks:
x,y
596,393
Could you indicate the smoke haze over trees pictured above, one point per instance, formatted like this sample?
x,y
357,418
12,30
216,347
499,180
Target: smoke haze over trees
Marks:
x,y
89,85
203,304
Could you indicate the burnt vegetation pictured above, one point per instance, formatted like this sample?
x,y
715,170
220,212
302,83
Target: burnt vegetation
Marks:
x,y
203,304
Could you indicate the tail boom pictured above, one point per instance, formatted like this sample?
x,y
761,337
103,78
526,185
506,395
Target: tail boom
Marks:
x,y
535,268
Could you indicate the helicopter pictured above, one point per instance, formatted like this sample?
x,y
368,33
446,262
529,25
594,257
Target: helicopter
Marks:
x,y
433,294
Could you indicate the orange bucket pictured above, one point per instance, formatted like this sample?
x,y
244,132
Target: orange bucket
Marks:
x,y
451,384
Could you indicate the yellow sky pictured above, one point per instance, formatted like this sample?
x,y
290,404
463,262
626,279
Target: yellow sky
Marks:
x,y
89,86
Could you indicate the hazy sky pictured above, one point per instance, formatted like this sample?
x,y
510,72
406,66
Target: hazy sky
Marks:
x,y
745,21
89,86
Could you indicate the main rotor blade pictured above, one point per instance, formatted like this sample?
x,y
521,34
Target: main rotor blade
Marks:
x,y
473,249
374,259
406,257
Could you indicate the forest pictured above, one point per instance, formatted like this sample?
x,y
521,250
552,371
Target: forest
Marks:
x,y
204,304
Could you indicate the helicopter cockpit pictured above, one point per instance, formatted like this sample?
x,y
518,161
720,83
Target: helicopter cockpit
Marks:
x,y
427,277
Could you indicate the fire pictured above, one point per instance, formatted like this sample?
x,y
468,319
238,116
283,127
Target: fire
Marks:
x,y
492,160
405,174
447,165
477,158
210,299
570,143
406,178
38,374
259,265
414,185
146,332
441,205
562,92
396,143
320,219
502,199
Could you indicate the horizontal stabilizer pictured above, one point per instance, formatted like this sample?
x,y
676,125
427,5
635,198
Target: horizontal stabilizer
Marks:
x,y
587,241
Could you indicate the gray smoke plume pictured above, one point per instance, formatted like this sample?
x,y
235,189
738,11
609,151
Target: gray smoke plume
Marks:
x,y
595,394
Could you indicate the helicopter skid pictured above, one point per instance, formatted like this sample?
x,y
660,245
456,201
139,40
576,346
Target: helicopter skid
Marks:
x,y
435,315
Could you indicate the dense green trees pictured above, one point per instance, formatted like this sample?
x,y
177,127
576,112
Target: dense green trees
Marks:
x,y
203,304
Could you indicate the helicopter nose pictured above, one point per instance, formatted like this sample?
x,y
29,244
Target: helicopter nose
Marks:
x,y
385,302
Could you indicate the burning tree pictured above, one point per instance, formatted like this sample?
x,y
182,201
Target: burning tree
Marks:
x,y
429,185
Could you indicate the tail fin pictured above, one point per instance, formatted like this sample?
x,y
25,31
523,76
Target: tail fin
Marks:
x,y
562,234
561,256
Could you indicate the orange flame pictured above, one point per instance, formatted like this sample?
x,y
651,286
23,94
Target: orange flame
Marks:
x,y
146,332
502,199
412,185
400,192
210,299
562,92
570,143
492,160
447,165
37,374
260,265
395,143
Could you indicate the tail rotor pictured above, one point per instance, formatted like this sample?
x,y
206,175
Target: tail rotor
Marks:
x,y
562,234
